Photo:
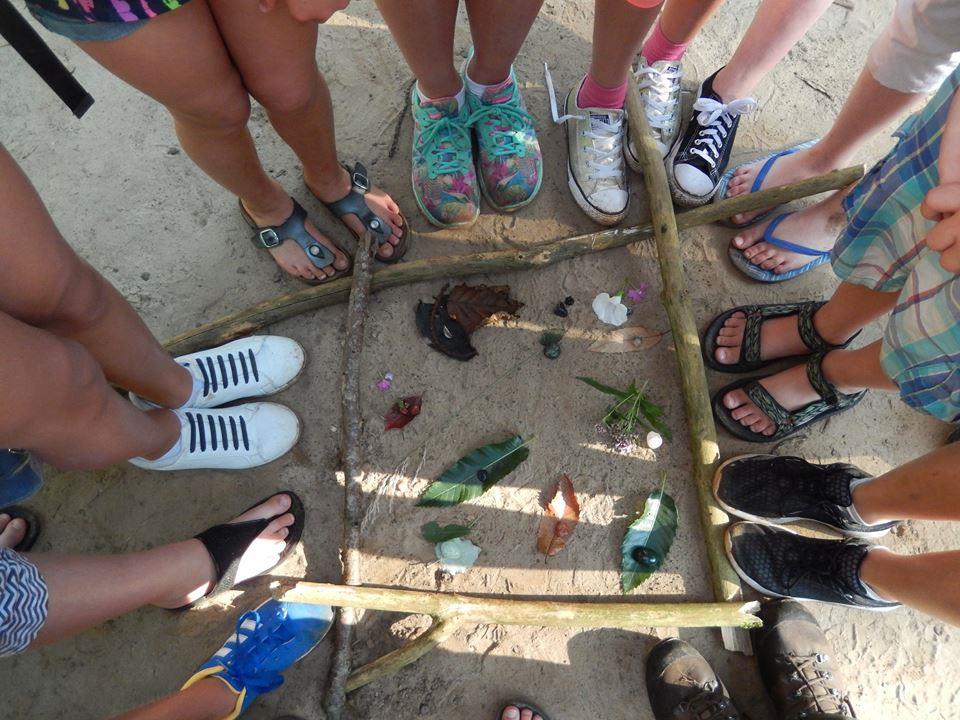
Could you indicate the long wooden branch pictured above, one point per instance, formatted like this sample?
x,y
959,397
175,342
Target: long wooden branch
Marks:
x,y
693,377
401,657
546,613
351,425
281,307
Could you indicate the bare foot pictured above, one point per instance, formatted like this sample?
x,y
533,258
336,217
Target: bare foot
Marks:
x,y
512,712
816,227
779,337
382,205
790,388
290,256
263,553
12,531
787,169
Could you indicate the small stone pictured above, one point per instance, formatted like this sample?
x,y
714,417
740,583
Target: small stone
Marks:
x,y
568,300
561,310
145,276
173,150
424,709
645,557
482,475
552,351
654,440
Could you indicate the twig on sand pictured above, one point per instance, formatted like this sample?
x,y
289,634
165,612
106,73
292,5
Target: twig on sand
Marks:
x,y
351,427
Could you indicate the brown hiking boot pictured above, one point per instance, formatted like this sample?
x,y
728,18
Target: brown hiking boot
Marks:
x,y
681,685
796,666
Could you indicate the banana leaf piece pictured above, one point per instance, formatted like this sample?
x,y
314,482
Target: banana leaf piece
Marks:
x,y
474,474
648,540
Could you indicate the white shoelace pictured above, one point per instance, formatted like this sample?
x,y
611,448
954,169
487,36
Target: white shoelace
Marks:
x,y
661,105
606,148
716,119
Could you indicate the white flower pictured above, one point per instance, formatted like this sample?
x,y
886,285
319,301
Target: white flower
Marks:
x,y
654,440
457,555
610,310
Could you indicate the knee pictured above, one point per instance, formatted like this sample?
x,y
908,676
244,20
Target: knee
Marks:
x,y
79,300
225,110
294,93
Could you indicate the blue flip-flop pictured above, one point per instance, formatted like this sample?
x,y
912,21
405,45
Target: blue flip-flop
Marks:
x,y
768,161
755,272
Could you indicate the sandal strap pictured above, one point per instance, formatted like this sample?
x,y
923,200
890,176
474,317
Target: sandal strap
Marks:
x,y
353,203
293,228
226,544
762,398
808,331
823,387
756,315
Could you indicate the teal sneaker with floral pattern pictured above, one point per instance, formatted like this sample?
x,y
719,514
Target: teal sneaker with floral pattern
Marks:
x,y
444,179
509,159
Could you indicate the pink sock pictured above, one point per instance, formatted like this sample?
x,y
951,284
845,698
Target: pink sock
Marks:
x,y
593,94
659,47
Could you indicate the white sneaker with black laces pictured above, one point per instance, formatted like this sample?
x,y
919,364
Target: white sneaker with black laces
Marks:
x,y
659,86
236,438
254,366
698,161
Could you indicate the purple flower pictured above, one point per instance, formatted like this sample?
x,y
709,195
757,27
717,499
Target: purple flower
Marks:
x,y
639,292
386,383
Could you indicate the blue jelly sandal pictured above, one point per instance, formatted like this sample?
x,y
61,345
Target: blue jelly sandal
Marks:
x,y
768,161
755,272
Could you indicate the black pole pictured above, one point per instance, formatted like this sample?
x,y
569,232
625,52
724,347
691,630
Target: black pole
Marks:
x,y
24,39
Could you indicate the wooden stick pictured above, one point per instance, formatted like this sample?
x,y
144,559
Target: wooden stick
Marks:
x,y
693,376
251,319
542,613
351,425
401,657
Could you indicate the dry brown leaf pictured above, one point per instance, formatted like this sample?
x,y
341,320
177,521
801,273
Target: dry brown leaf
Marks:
x,y
629,339
474,305
559,519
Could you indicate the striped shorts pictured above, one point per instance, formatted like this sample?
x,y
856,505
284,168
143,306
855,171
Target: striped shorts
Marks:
x,y
23,602
884,248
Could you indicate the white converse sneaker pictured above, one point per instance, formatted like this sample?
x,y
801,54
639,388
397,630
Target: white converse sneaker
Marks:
x,y
250,367
236,438
659,86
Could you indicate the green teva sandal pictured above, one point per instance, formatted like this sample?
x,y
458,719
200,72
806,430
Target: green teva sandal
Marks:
x,y
788,422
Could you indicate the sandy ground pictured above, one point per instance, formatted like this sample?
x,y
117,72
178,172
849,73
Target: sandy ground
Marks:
x,y
173,243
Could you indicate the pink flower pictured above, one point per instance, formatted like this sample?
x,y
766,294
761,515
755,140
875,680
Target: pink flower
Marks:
x,y
386,383
639,292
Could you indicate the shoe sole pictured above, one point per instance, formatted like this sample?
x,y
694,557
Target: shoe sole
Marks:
x,y
598,216
760,520
680,196
728,547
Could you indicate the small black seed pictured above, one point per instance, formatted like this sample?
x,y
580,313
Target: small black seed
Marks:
x,y
568,300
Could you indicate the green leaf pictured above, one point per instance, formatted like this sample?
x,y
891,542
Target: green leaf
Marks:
x,y
475,473
648,540
434,533
604,388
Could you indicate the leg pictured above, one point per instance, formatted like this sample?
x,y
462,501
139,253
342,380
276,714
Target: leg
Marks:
x,y
498,28
58,404
206,97
681,20
76,302
208,699
423,30
276,57
619,28
86,590
929,582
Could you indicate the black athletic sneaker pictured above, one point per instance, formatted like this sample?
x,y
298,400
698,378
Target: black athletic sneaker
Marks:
x,y
796,665
779,490
780,563
697,162
681,685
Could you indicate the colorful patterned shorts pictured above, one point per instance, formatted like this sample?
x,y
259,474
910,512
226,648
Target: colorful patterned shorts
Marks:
x,y
884,248
23,602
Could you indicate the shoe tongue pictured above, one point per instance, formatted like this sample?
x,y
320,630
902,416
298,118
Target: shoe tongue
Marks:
x,y
598,119
441,107
498,94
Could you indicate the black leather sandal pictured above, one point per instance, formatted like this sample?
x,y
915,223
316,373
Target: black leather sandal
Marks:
x,y
756,315
293,228
353,203
788,422
227,543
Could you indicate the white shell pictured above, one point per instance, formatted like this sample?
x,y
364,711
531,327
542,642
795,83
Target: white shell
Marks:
x,y
610,310
654,440
456,555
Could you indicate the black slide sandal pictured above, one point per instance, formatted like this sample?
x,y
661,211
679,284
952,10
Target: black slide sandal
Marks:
x,y
33,525
228,542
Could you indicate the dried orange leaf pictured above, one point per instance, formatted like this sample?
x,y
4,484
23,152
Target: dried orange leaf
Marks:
x,y
475,305
559,519
628,339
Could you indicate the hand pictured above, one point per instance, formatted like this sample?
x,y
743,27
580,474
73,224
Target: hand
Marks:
x,y
318,11
942,205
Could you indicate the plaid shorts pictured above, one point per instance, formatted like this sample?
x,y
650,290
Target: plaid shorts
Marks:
x,y
883,248
23,602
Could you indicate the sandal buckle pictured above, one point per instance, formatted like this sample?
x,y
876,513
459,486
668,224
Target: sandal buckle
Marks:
x,y
269,238
360,181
